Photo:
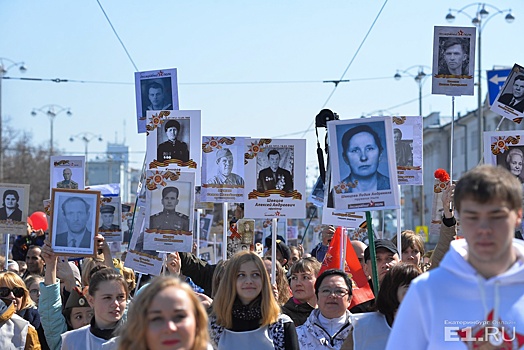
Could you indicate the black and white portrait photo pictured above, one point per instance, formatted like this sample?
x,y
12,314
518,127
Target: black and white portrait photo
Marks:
x,y
156,95
513,93
172,140
110,218
155,91
513,160
363,170
224,175
75,221
454,56
275,170
403,147
453,60
173,213
67,172
364,166
14,208
10,208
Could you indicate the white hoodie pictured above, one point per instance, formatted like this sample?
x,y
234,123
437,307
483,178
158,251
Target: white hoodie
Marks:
x,y
450,307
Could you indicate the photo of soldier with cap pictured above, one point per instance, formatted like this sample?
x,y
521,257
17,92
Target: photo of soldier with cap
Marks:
x,y
107,215
172,148
225,175
169,218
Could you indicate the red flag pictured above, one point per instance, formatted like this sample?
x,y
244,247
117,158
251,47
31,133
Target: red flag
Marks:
x,y
361,289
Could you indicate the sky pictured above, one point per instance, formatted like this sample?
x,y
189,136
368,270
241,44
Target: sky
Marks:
x,y
254,68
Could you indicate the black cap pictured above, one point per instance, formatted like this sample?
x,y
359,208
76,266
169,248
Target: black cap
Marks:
x,y
281,246
381,243
172,123
107,209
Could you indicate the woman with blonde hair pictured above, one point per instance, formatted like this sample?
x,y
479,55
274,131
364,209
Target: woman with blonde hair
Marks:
x,y
166,314
13,291
245,313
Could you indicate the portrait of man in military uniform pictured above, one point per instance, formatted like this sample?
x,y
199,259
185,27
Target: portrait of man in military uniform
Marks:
x,y
274,177
67,182
107,215
169,218
225,175
172,148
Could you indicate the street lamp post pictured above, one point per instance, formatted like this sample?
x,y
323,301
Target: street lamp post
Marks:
x,y
419,78
51,111
86,137
5,65
479,20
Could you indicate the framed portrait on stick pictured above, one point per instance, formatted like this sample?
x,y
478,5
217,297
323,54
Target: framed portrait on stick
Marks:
x,y
156,90
453,60
363,168
510,100
74,221
14,209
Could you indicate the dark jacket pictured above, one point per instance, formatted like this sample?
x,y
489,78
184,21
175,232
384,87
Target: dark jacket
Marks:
x,y
298,312
200,271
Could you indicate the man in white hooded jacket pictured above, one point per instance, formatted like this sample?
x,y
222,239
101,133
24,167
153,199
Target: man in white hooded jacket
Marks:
x,y
475,299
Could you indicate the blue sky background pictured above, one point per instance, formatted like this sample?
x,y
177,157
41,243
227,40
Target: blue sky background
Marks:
x,y
301,43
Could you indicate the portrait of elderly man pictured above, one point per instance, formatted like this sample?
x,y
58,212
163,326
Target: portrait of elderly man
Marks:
x,y
515,99
274,177
454,56
67,182
76,213
157,98
225,175
172,148
107,215
169,218
10,209
362,151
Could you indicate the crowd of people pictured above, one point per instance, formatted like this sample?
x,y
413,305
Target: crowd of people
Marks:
x,y
48,302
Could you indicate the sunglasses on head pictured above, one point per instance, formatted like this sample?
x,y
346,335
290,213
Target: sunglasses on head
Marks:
x,y
18,292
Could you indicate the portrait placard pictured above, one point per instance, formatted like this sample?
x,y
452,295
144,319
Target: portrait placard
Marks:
x,y
317,195
146,262
275,180
407,134
67,172
155,91
207,254
222,169
111,219
363,169
170,213
453,60
74,221
205,227
15,208
174,141
505,148
510,100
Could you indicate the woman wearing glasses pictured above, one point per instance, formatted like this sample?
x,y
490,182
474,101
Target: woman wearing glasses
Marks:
x,y
328,326
13,291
